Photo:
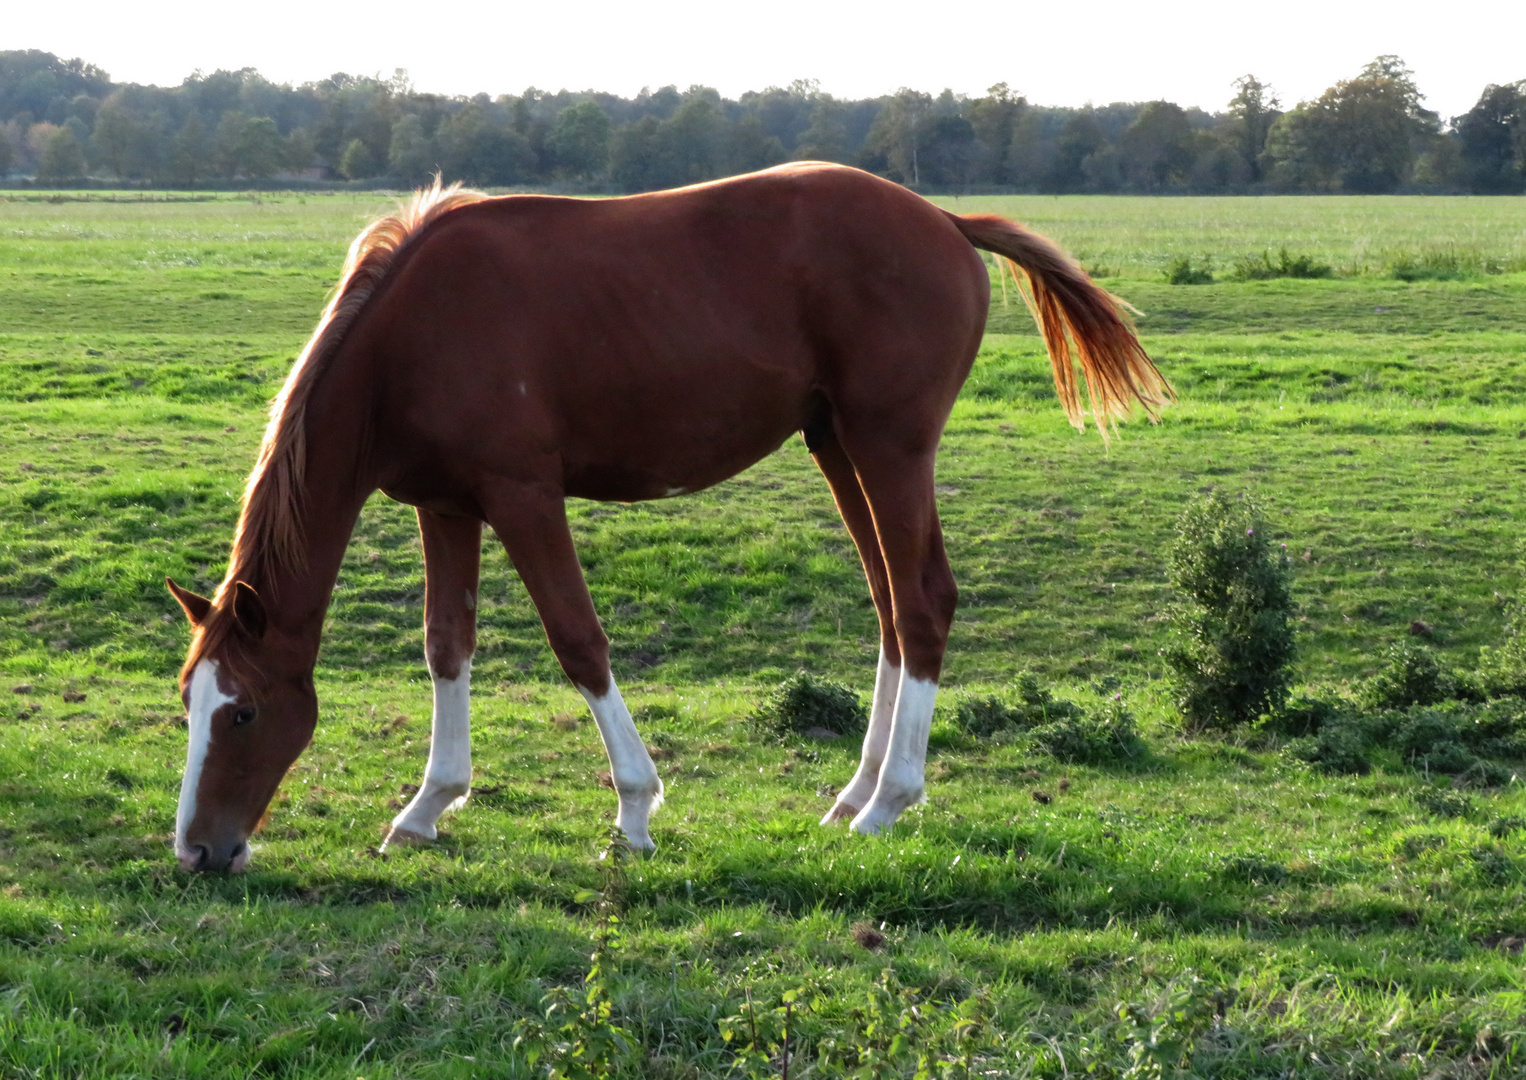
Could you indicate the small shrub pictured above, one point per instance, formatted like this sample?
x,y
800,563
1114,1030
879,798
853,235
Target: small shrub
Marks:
x,y
1411,676
1444,802
1339,748
1183,271
805,701
1231,633
1107,738
1304,716
1502,827
1161,1033
1035,706
1263,268
1495,865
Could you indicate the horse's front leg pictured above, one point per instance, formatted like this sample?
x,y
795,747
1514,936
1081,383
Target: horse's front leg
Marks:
x,y
452,553
531,520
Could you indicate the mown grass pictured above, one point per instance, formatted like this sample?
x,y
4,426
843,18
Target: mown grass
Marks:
x,y
1358,931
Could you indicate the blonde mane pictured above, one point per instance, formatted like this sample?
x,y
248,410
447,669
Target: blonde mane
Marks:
x,y
269,537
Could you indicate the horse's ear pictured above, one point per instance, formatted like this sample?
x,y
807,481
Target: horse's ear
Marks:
x,y
196,608
248,610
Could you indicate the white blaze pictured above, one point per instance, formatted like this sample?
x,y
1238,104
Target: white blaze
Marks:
x,y
205,698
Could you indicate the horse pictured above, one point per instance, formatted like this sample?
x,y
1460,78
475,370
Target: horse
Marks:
x,y
482,359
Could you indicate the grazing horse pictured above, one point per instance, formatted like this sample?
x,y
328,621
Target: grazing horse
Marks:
x,y
484,358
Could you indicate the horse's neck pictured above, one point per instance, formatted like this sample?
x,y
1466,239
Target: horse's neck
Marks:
x,y
334,489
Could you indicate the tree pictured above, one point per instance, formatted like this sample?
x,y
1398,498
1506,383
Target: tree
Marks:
x,y
411,156
1492,135
191,154
749,147
1159,147
7,154
1252,112
994,119
258,151
898,133
578,142
356,163
826,138
62,157
477,146
1362,135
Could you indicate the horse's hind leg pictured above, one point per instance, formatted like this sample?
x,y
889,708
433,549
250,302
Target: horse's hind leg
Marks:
x,y
897,481
532,523
838,470
452,553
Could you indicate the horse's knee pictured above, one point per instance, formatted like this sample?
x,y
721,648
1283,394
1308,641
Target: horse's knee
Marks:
x,y
448,646
584,656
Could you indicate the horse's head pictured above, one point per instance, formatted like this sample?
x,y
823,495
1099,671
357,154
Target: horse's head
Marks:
x,y
250,711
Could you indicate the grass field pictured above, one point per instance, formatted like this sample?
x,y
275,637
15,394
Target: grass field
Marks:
x,y
1338,926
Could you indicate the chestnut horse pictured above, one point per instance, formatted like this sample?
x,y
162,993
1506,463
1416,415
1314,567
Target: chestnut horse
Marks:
x,y
484,358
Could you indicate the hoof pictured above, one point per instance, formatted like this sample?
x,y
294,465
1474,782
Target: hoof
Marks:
x,y
405,838
838,812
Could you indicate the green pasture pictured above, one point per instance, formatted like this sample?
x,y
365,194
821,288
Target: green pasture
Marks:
x,y
1341,926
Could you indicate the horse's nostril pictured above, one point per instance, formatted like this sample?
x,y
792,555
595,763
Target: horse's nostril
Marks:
x,y
194,857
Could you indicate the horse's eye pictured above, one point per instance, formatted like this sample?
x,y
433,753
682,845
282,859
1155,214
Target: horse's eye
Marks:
x,y
244,714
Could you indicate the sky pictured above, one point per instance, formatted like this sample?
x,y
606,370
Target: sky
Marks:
x,y
1063,52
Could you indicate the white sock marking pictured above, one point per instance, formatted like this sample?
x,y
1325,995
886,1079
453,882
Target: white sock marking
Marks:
x,y
901,776
448,775
887,681
205,698
630,766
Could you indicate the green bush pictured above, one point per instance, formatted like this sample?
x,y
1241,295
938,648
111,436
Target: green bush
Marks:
x,y
1183,271
804,701
1411,676
1444,802
1337,748
1231,632
1106,738
1304,716
1035,706
1263,268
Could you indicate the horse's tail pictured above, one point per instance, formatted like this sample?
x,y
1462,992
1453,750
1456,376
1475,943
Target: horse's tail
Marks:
x,y
1071,309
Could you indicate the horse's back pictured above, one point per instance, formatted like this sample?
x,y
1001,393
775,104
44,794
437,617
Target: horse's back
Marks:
x,y
658,343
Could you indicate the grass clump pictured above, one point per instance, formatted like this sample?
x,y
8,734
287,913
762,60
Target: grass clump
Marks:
x,y
1264,268
1411,676
807,703
1183,271
1231,645
1445,264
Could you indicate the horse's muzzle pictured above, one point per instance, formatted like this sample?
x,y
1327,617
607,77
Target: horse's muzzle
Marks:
x,y
201,858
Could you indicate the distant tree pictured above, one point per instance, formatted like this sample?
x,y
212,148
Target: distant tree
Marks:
x,y
411,157
951,155
1252,112
1079,140
478,146
1159,147
357,162
826,137
1492,135
898,133
578,141
749,147
62,157
691,144
7,153
633,155
191,155
994,120
259,149
116,129
1362,135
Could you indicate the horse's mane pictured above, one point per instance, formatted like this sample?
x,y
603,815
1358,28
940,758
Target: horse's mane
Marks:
x,y
269,537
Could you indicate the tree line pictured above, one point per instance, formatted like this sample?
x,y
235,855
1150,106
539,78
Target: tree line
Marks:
x,y
65,121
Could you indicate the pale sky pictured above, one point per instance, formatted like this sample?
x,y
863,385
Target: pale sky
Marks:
x,y
1065,52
